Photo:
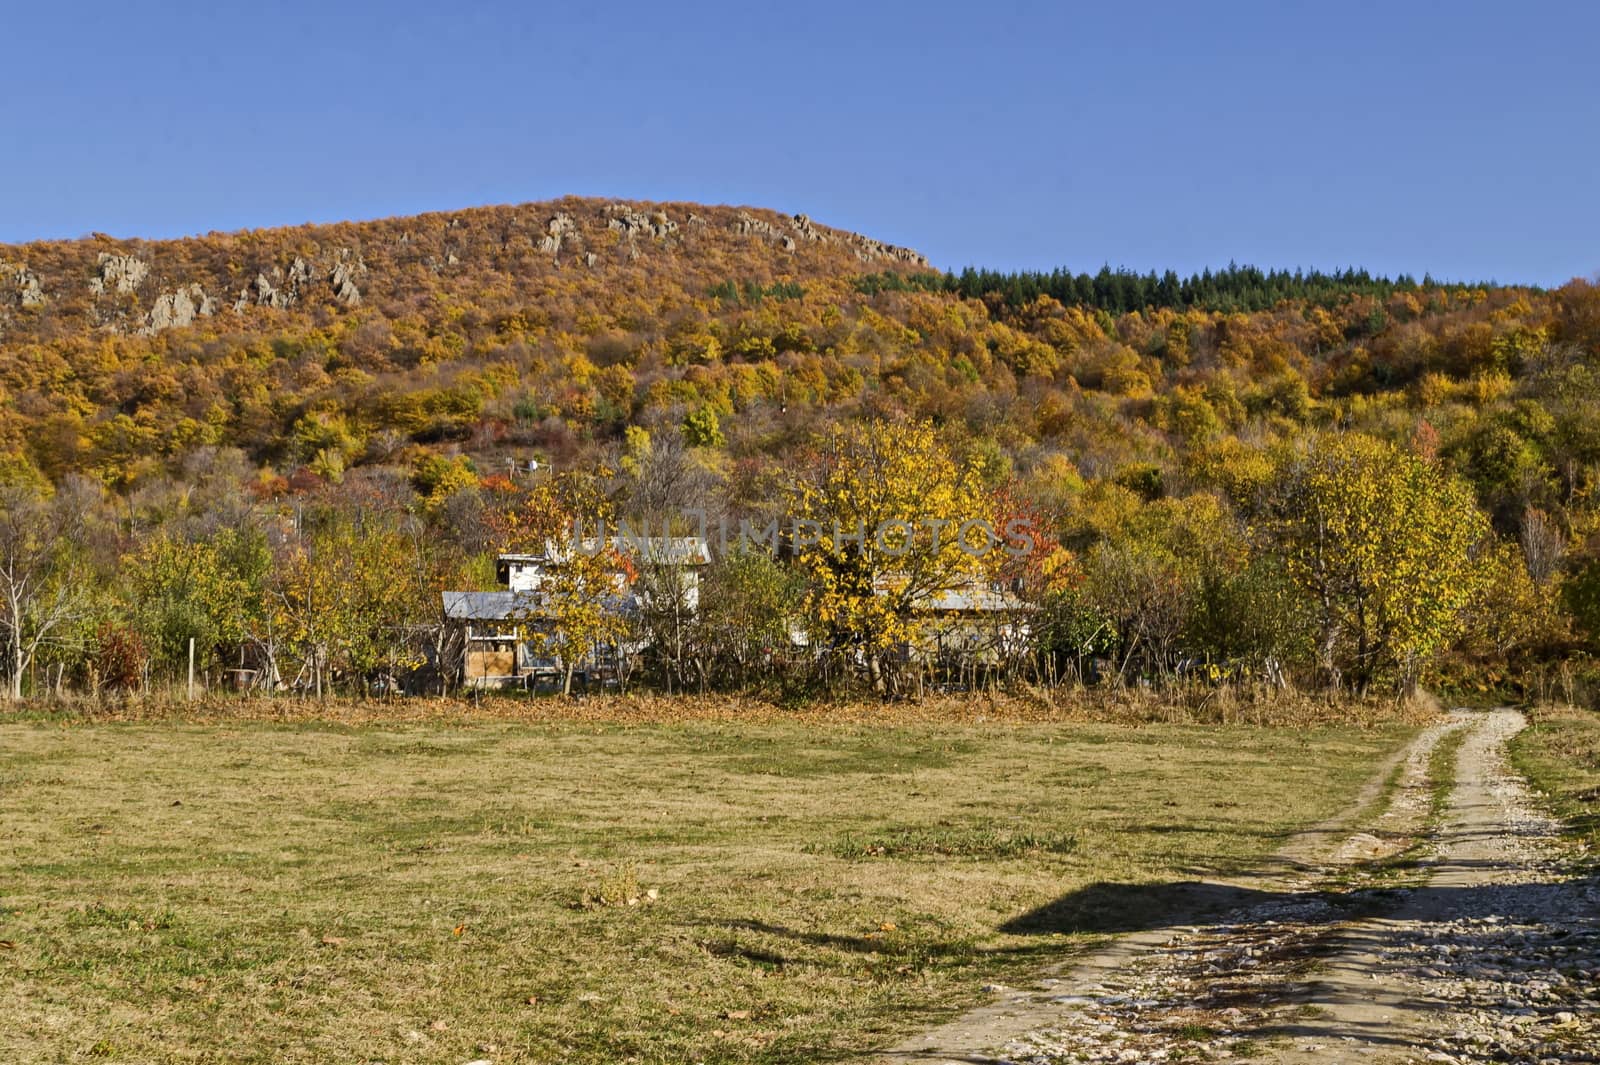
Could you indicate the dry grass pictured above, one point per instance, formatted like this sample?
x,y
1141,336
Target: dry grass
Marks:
x,y
1200,704
1560,753
594,888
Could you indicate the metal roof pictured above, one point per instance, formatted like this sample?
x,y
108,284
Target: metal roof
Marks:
x,y
675,550
492,606
515,606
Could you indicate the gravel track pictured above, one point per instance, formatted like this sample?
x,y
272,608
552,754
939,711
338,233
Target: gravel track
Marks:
x,y
1454,935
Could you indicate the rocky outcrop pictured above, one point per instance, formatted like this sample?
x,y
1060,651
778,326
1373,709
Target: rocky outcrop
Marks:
x,y
869,250
558,229
748,225
261,292
174,310
808,231
119,274
284,287
19,286
632,222
800,226
436,265
343,277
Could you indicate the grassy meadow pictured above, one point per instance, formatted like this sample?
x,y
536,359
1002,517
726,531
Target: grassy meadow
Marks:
x,y
715,891
1560,753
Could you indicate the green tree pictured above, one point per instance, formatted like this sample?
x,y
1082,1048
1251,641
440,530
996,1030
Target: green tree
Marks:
x,y
701,428
747,606
209,590
348,602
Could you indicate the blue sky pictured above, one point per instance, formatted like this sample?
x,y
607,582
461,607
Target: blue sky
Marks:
x,y
1462,139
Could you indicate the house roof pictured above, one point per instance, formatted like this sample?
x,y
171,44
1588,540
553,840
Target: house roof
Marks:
x,y
514,606
673,550
491,606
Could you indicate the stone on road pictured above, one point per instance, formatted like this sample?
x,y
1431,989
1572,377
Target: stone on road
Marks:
x,y
1487,950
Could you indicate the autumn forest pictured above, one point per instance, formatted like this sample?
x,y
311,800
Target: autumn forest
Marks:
x,y
283,444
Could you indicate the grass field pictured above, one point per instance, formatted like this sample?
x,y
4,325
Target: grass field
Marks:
x,y
518,892
1560,753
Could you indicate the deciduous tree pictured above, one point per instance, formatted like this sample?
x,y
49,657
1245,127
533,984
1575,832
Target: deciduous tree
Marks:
x,y
1385,545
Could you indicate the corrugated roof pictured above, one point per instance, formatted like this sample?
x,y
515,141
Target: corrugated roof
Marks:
x,y
491,606
514,606
676,550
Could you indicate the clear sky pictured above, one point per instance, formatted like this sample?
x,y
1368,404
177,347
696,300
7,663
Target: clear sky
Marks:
x,y
1461,138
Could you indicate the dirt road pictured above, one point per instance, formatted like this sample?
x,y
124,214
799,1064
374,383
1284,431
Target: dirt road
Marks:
x,y
1442,925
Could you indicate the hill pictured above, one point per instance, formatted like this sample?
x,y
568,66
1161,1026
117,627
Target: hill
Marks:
x,y
538,327
691,355
114,353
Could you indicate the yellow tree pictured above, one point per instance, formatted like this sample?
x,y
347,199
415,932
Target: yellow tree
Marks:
x,y
886,517
348,600
580,596
1385,545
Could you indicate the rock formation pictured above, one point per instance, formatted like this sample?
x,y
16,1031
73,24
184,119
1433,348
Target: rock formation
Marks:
x,y
748,225
121,274
343,277
556,230
174,310
630,222
19,286
287,286
865,248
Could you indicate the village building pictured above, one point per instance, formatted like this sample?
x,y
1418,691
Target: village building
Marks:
x,y
503,631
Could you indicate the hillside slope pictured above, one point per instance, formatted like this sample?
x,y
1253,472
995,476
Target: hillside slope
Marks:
x,y
303,390
118,357
49,289
548,329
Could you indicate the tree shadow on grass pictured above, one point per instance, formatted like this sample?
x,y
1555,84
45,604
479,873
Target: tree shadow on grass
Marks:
x,y
1109,908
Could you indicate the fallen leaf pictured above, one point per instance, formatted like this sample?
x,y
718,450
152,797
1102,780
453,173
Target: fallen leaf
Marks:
x,y
333,941
736,1015
458,929
887,926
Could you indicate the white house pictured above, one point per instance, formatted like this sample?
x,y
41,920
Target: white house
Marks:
x,y
501,649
